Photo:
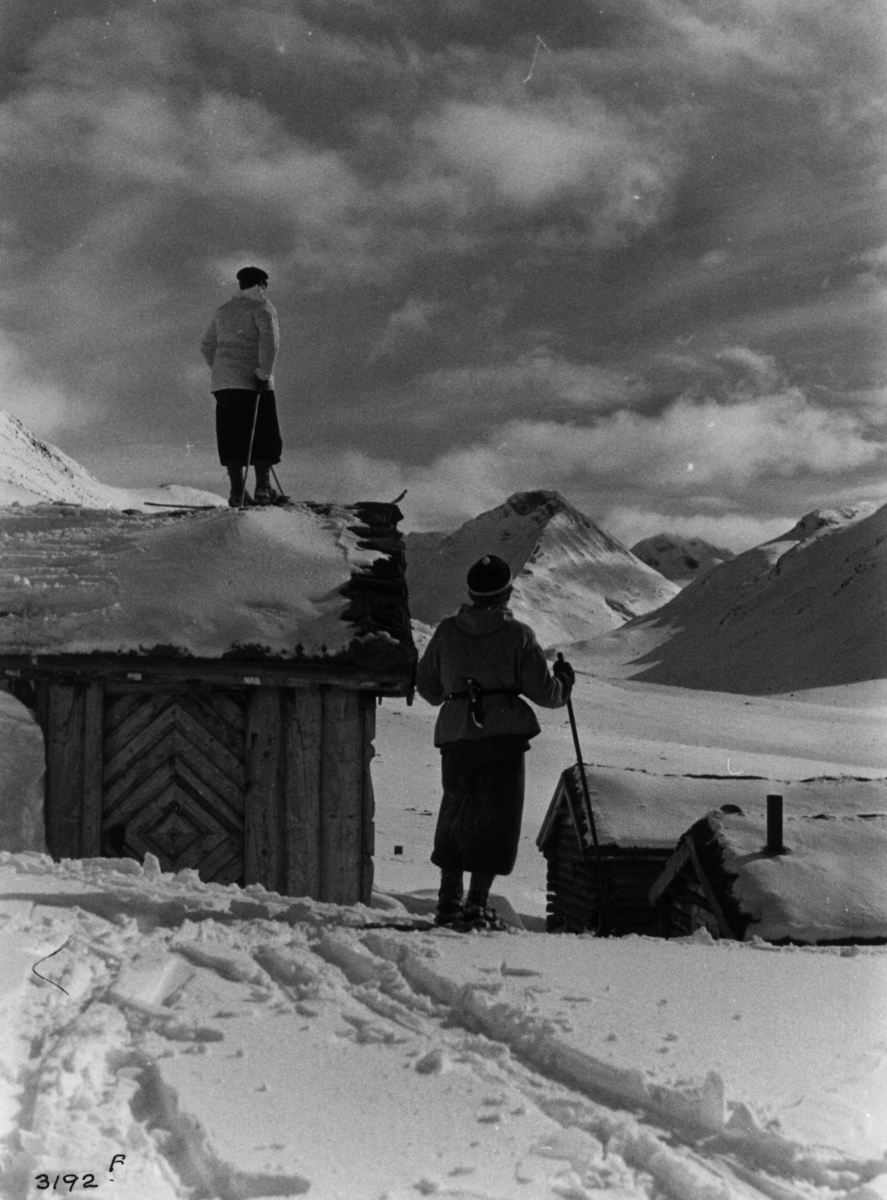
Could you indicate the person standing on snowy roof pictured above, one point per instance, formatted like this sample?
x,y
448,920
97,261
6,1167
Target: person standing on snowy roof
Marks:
x,y
478,665
240,346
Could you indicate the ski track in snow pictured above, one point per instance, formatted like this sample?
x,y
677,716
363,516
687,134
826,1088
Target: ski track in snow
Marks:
x,y
153,975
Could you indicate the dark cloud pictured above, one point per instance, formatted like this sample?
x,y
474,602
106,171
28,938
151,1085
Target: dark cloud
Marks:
x,y
491,230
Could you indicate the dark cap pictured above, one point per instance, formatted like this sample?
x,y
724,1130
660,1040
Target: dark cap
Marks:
x,y
489,576
248,277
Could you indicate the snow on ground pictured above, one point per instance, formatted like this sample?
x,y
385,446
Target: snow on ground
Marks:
x,y
238,1044
625,725
234,1044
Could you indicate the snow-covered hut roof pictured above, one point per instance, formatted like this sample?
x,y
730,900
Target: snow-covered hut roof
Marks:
x,y
635,809
828,886
296,584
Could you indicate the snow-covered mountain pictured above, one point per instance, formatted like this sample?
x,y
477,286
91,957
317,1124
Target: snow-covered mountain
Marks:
x,y
573,580
680,559
805,610
33,471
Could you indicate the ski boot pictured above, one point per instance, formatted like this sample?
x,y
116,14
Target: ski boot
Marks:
x,y
477,913
265,493
238,497
449,898
449,914
480,916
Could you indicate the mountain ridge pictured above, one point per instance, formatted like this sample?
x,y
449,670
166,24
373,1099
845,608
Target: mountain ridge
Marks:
x,y
571,578
807,609
679,558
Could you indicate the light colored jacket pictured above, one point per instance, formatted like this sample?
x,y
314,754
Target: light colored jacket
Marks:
x,y
242,342
491,647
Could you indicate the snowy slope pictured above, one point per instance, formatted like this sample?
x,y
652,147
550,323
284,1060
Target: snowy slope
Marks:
x,y
806,610
680,559
238,1044
573,580
32,470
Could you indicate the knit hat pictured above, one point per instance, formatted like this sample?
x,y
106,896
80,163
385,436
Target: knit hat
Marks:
x,y
248,277
489,576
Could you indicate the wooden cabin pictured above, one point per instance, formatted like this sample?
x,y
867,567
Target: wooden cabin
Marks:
x,y
638,819
818,879
206,683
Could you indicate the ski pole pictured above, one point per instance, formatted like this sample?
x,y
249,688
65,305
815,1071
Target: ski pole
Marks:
x,y
277,481
608,924
249,453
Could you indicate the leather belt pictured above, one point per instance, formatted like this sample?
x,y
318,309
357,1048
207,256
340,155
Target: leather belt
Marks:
x,y
474,694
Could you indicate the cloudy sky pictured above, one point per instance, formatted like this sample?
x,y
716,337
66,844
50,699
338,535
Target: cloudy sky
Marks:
x,y
632,250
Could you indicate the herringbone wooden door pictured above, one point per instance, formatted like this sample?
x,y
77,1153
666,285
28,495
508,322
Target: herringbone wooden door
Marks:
x,y
174,780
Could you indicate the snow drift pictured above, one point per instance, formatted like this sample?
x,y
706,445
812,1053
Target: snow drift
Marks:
x,y
805,610
240,1044
573,580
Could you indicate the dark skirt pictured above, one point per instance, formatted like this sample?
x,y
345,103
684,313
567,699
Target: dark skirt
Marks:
x,y
479,824
234,422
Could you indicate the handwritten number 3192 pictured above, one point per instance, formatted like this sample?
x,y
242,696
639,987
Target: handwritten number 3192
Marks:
x,y
44,1183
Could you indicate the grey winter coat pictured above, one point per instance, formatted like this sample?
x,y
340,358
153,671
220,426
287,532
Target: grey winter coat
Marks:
x,y
490,646
241,343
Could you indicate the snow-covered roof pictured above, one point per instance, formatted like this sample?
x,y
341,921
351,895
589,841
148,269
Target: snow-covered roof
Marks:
x,y
636,809
829,886
301,582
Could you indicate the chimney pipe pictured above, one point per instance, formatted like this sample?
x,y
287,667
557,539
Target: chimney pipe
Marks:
x,y
774,825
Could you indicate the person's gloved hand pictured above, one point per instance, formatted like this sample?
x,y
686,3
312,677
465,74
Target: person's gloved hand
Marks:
x,y
262,385
564,671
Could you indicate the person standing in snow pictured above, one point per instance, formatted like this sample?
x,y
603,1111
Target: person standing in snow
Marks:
x,y
478,665
240,346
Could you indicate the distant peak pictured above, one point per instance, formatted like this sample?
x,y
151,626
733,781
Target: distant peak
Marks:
x,y
828,518
545,503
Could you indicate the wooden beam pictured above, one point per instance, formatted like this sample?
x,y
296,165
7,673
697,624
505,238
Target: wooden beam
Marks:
x,y
135,671
341,781
302,731
64,769
669,872
724,928
368,800
93,772
263,858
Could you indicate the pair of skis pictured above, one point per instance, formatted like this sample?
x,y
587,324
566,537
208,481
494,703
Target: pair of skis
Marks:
x,y
281,501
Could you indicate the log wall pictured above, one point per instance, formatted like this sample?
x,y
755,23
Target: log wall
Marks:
x,y
574,883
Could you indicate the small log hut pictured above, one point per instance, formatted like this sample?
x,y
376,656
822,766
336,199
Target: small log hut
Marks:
x,y
658,887
206,683
636,838
817,879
